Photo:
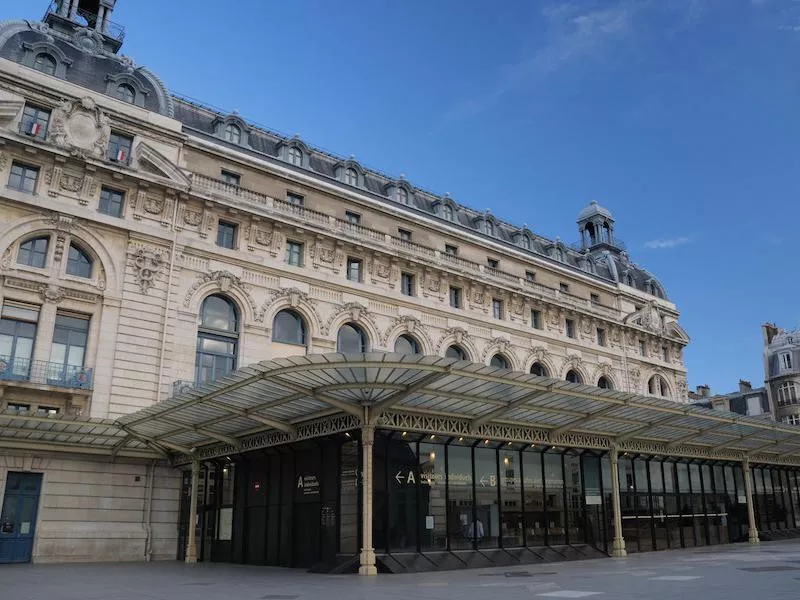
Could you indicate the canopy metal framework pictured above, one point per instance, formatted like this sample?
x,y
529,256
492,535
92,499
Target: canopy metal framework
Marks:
x,y
302,397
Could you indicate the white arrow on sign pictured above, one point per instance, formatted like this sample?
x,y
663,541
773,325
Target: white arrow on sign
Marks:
x,y
483,481
399,477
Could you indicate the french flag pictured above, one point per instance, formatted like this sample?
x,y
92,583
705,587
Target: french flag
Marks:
x,y
122,155
34,128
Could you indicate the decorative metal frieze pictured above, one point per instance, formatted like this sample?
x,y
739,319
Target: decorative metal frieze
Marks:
x,y
683,450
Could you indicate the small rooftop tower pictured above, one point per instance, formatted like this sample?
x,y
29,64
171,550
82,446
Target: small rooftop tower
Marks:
x,y
596,226
94,15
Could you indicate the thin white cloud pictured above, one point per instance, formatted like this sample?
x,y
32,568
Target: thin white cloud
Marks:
x,y
668,243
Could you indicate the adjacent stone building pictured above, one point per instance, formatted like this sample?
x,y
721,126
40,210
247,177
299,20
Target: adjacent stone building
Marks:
x,y
782,371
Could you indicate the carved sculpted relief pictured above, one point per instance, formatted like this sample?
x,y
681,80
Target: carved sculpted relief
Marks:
x,y
147,264
80,127
225,281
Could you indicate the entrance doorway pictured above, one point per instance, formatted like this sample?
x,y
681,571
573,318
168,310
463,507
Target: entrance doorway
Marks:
x,y
18,518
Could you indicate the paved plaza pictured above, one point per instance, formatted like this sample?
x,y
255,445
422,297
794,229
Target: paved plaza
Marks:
x,y
768,572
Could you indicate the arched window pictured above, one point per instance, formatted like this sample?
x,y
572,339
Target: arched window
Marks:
x,y
402,195
126,93
787,393
447,212
592,233
78,262
573,376
539,369
34,252
232,133
351,339
288,327
45,63
500,361
628,279
456,352
351,176
217,339
605,383
295,156
525,242
488,228
657,386
406,344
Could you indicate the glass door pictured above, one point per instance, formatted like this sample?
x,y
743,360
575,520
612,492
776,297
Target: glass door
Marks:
x,y
18,517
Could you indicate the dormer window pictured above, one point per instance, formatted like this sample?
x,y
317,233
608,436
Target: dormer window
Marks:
x,y
126,93
401,195
351,176
525,242
447,212
488,228
786,361
45,63
295,156
232,133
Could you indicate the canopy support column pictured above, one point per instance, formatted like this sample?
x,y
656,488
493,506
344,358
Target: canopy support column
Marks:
x,y
191,538
752,535
618,547
367,557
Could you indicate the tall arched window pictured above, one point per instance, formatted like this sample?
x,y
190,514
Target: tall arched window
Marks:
x,y
351,339
126,93
351,176
217,339
232,133
288,327
295,156
45,63
402,195
657,386
539,369
456,352
488,227
34,252
573,376
500,361
525,242
447,212
78,262
605,383
406,344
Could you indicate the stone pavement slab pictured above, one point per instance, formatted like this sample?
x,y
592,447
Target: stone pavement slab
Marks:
x,y
735,572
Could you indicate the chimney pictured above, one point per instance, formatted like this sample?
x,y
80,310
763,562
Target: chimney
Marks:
x,y
744,386
704,391
769,331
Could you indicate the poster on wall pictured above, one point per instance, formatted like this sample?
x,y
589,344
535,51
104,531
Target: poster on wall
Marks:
x,y
225,523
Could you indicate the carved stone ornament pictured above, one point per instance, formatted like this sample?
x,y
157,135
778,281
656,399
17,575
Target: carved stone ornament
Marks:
x,y
352,311
495,345
147,265
193,218
154,205
226,281
6,260
80,127
458,335
263,237
295,298
51,294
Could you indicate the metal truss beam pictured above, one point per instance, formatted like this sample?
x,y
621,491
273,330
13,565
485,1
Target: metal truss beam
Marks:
x,y
505,409
378,408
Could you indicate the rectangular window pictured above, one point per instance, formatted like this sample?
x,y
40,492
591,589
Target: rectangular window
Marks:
x,y
352,218
594,298
569,325
404,234
354,269
492,263
111,202
536,319
46,411
407,284
497,308
295,199
119,148
294,254
68,350
786,361
226,234
23,178
455,297
601,336
230,177
642,348
451,250
17,334
34,122
665,353
15,407
530,276
564,287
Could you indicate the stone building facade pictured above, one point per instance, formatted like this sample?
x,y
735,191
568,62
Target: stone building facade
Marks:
x,y
149,244
782,371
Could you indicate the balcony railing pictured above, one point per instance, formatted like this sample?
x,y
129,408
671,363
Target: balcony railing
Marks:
x,y
347,229
87,19
45,373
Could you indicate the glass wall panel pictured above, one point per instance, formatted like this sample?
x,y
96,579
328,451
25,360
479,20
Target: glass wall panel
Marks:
x,y
459,496
672,507
627,497
432,497
761,506
787,498
349,469
697,505
794,481
713,510
658,503
380,498
535,518
402,482
576,523
685,503
608,523
511,531
593,501
644,521
554,489
487,509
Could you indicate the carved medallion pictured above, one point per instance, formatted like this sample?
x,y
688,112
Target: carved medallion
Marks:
x,y
80,127
194,217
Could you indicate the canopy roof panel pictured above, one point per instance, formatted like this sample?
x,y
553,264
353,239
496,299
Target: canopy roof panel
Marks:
x,y
271,401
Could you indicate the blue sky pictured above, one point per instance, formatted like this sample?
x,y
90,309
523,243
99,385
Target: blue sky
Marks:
x,y
681,116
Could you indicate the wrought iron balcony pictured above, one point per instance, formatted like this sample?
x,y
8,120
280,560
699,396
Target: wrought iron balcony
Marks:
x,y
86,18
45,373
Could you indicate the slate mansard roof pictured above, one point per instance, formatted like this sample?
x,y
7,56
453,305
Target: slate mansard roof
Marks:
x,y
86,58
